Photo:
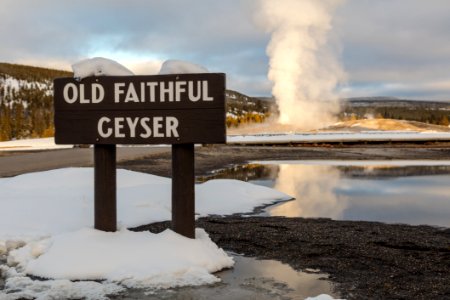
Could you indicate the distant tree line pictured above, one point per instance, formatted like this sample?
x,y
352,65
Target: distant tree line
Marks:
x,y
418,113
242,109
26,113
26,106
31,74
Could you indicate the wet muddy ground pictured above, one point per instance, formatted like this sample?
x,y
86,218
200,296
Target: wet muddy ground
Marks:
x,y
366,260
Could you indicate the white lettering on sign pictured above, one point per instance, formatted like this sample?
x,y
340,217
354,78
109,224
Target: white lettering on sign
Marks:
x,y
152,87
179,88
100,127
70,93
164,91
121,127
98,93
192,97
118,126
73,93
118,90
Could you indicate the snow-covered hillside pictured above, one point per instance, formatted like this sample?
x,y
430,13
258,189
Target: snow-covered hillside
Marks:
x,y
26,101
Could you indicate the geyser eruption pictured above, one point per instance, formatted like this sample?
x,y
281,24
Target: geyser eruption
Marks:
x,y
303,66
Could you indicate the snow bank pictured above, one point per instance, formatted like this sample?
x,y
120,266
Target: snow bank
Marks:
x,y
181,67
99,66
227,196
46,203
46,230
133,259
21,287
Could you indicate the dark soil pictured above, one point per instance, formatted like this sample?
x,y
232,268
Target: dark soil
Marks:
x,y
366,260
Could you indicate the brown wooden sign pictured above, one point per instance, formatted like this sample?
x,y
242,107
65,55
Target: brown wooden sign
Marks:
x,y
159,109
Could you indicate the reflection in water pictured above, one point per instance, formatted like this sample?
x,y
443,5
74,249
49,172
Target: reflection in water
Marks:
x,y
387,194
418,193
249,279
313,187
278,279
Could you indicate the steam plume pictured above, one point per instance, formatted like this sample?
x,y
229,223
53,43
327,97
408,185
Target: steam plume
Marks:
x,y
302,67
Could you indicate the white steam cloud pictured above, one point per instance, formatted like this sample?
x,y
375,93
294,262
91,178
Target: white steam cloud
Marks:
x,y
303,66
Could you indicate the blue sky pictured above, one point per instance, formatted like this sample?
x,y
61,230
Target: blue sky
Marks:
x,y
387,47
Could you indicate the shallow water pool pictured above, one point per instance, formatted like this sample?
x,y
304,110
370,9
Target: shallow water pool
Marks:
x,y
411,192
250,278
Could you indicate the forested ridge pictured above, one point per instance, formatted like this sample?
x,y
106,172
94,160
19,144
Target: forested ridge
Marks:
x,y
26,101
26,105
430,112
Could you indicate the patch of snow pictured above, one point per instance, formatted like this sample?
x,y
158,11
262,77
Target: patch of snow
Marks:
x,y
31,144
228,196
57,201
13,83
386,136
19,286
181,67
358,163
46,230
132,259
99,66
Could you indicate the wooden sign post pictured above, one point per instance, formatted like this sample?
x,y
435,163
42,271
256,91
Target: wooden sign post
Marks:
x,y
178,109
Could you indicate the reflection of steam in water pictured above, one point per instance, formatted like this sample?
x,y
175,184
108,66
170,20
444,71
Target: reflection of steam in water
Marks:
x,y
313,187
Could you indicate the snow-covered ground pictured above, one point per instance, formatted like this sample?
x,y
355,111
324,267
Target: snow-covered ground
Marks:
x,y
358,163
323,137
46,230
32,144
276,138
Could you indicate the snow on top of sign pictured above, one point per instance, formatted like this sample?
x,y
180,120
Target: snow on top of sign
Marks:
x,y
173,66
99,66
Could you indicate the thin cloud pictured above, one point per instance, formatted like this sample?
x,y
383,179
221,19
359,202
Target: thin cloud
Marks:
x,y
383,42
